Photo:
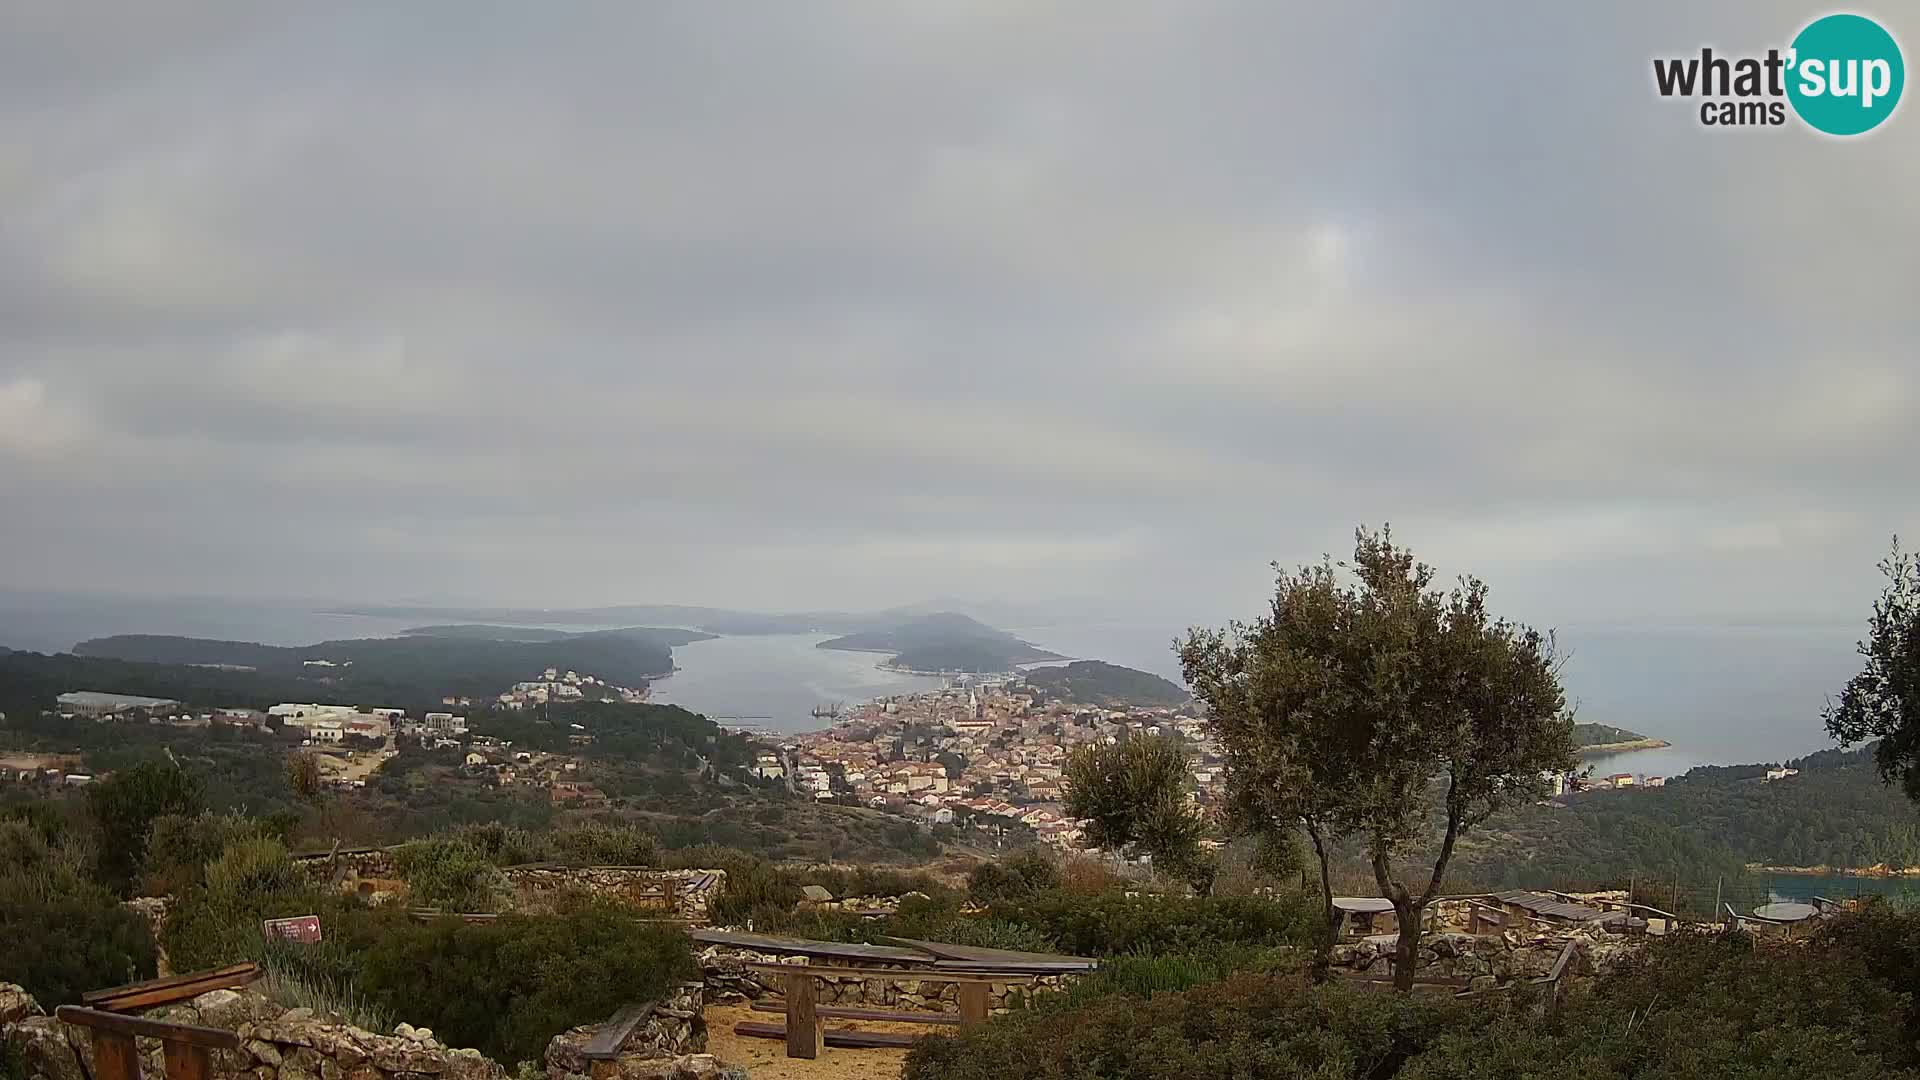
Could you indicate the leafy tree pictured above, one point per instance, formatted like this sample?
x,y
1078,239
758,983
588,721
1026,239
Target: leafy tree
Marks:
x,y
124,806
303,775
1367,697
1133,796
1883,700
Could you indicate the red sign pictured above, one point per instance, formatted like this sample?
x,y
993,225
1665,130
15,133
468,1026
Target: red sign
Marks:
x,y
304,929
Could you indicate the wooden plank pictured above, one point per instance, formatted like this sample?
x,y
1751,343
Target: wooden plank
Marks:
x,y
606,1043
122,1024
186,1061
114,1056
836,1012
845,1038
1559,965
973,1004
803,1023
172,988
838,950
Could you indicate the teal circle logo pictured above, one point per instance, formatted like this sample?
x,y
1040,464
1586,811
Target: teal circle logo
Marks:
x,y
1845,74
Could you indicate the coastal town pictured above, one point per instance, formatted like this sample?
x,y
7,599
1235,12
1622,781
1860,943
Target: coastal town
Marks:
x,y
983,753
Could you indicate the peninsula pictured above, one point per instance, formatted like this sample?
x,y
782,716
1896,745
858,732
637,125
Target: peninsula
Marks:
x,y
944,643
1605,739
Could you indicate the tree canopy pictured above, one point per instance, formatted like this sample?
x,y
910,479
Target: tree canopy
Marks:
x,y
1132,794
1367,698
1883,700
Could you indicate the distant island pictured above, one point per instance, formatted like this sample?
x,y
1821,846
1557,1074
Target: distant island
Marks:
x,y
460,663
1606,739
668,636
1096,682
943,643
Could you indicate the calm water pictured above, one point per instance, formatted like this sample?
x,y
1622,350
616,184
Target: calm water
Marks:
x,y
1720,695
777,680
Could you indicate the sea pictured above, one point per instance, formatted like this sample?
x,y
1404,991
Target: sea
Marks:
x,y
1720,695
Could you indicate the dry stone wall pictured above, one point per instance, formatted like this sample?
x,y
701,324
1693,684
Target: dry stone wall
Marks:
x,y
693,890
1490,960
276,1043
674,1032
729,979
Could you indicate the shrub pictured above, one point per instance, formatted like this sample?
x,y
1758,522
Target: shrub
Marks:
x,y
124,806
1249,1026
65,935
1015,877
451,873
1110,924
179,847
605,845
509,986
1696,1007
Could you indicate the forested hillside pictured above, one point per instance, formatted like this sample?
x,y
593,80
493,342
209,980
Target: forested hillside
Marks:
x,y
1836,812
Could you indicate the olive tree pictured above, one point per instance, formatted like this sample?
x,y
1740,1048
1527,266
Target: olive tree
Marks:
x,y
1369,704
1132,794
1883,701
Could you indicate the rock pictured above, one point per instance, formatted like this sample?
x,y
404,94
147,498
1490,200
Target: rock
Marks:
x,y
405,1031
44,1051
815,893
296,1016
400,1057
16,1004
221,1008
263,1052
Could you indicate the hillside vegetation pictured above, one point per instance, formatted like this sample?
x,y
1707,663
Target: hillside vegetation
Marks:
x,y
1711,822
449,665
945,641
1095,682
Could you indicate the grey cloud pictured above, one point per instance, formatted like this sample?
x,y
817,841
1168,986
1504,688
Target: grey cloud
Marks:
x,y
849,304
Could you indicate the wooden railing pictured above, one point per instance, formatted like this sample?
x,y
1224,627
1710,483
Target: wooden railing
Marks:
x,y
188,1048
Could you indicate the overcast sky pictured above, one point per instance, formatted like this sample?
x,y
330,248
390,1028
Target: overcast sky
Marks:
x,y
1097,306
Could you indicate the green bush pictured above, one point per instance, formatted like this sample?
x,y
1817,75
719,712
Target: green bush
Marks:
x,y
509,986
1015,877
451,873
1110,924
1145,976
1696,1008
179,847
605,845
1251,1025
124,806
64,935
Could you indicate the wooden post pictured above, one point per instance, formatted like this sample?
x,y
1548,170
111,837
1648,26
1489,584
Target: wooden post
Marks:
x,y
114,1056
1717,883
186,1061
803,1023
973,1004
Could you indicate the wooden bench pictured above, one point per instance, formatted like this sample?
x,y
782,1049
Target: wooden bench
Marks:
x,y
188,1048
834,1012
165,991
802,1029
841,1037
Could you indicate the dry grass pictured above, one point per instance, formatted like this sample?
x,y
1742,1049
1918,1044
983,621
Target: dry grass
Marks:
x,y
766,1059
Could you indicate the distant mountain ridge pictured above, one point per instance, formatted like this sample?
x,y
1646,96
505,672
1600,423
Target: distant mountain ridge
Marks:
x,y
944,642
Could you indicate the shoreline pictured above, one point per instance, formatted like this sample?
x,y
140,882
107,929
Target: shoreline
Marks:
x,y
1880,870
1623,747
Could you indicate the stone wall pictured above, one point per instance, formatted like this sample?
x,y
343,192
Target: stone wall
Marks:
x,y
375,868
625,883
729,979
1491,960
276,1044
675,1029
